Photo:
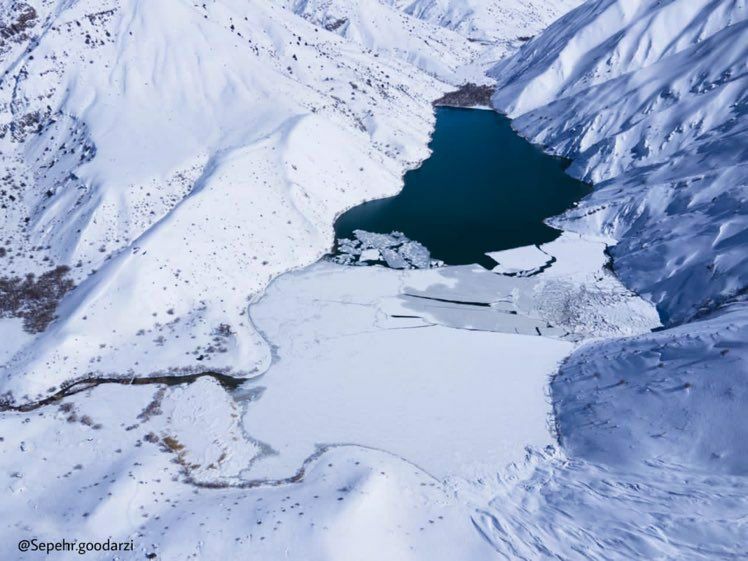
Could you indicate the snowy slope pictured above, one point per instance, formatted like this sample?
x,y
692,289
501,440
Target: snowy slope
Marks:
x,y
418,30
160,469
186,165
556,507
648,100
675,395
386,31
488,20
176,169
498,27
178,157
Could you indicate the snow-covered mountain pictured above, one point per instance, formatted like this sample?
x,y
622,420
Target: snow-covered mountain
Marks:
x,y
171,170
386,31
488,20
648,101
162,162
176,168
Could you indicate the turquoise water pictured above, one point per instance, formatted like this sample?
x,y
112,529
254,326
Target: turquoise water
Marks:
x,y
484,188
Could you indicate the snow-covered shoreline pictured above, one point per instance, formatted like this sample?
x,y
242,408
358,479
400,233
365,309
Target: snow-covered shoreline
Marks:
x,y
176,185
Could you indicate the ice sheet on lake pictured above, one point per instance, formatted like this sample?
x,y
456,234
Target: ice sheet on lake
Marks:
x,y
521,261
448,399
446,367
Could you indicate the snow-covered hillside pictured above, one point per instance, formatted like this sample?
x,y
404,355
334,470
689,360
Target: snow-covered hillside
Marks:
x,y
493,27
177,168
163,163
160,163
387,31
169,159
488,20
648,100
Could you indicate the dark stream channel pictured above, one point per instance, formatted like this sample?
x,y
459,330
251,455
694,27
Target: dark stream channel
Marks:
x,y
484,188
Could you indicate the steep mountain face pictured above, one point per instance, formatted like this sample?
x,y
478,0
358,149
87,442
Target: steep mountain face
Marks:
x,y
426,32
386,31
161,162
649,101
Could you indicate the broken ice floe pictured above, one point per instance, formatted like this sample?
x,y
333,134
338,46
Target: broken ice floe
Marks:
x,y
521,261
395,250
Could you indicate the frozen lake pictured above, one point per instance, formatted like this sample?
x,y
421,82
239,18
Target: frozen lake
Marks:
x,y
483,189
444,367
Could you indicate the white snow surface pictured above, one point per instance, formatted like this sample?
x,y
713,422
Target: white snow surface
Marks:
x,y
488,20
445,367
521,260
384,30
493,28
178,156
160,469
674,396
357,363
556,507
391,401
648,99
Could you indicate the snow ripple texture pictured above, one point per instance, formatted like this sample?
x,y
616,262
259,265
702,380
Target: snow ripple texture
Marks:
x,y
560,508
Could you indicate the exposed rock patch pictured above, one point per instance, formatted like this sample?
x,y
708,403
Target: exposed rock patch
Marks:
x,y
469,95
21,17
34,299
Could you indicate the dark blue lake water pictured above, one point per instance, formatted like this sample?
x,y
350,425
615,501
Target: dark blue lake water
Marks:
x,y
484,188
